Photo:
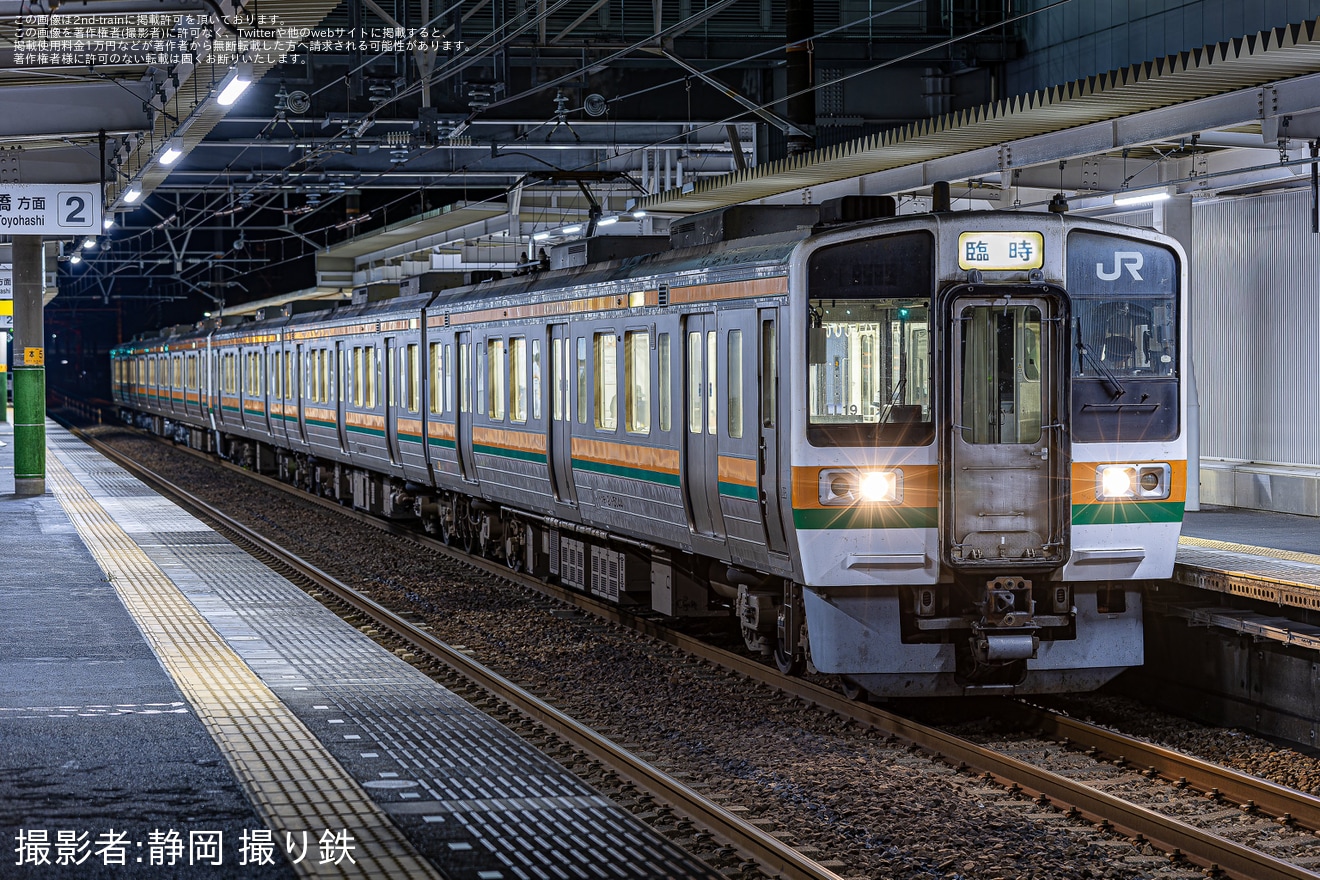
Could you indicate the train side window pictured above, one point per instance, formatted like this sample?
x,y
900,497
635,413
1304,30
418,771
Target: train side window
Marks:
x,y
712,381
357,376
482,368
637,381
536,379
151,371
558,365
769,374
369,378
582,380
465,377
695,372
663,380
606,365
518,379
734,376
448,371
493,363
414,378
437,378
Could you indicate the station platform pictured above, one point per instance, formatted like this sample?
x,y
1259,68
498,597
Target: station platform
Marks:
x,y
171,707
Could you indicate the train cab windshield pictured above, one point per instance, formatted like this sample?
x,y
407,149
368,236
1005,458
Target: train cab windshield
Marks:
x,y
1124,339
868,344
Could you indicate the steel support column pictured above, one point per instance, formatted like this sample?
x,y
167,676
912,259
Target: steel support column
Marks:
x,y
29,367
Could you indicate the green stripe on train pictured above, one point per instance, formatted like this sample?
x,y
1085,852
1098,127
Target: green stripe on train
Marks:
x,y
442,443
1127,512
629,473
518,454
372,432
738,490
864,517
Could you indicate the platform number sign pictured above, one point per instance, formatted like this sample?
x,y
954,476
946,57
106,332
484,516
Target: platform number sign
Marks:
x,y
49,209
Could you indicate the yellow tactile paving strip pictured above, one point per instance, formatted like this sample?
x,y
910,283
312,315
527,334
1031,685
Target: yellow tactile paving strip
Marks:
x,y
1289,555
295,785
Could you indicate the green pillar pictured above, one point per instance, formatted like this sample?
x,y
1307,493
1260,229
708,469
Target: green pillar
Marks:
x,y
29,367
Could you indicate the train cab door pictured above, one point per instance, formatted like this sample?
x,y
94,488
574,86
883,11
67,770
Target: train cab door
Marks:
x,y
1007,503
559,440
700,471
390,386
467,467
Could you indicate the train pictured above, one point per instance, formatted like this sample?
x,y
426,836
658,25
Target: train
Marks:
x,y
931,454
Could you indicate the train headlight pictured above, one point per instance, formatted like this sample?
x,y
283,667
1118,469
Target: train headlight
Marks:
x,y
1115,481
1119,482
839,488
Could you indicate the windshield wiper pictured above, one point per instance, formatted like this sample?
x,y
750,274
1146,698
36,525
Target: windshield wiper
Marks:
x,y
1110,378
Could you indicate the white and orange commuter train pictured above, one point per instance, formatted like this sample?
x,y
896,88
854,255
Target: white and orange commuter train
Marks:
x,y
931,454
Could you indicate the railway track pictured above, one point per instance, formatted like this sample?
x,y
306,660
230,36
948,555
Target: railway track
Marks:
x,y
1074,798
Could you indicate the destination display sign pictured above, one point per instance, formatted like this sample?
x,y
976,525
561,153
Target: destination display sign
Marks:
x,y
997,251
49,208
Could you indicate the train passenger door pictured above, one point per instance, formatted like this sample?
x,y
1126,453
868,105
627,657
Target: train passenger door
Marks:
x,y
1007,504
768,419
299,388
463,412
700,476
559,442
342,386
391,392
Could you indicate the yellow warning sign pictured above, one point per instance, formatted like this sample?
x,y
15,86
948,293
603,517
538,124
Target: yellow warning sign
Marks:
x,y
34,357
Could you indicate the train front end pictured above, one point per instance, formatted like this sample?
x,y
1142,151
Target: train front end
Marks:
x,y
988,455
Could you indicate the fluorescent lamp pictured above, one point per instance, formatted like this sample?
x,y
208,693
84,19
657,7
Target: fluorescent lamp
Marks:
x,y
569,230
607,221
638,215
89,242
107,222
75,258
132,195
1143,196
234,83
173,150
540,236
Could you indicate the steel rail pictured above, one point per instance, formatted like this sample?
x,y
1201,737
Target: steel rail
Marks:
x,y
776,857
1277,800
1166,833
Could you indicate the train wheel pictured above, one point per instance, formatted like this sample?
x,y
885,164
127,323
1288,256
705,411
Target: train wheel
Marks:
x,y
789,662
513,554
852,690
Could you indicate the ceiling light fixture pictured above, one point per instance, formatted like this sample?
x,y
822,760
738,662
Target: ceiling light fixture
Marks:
x,y
132,195
107,222
569,230
1144,196
607,221
540,236
173,150
638,215
234,84
89,242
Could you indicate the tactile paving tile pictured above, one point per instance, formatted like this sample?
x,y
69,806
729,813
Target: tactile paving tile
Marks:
x,y
427,753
